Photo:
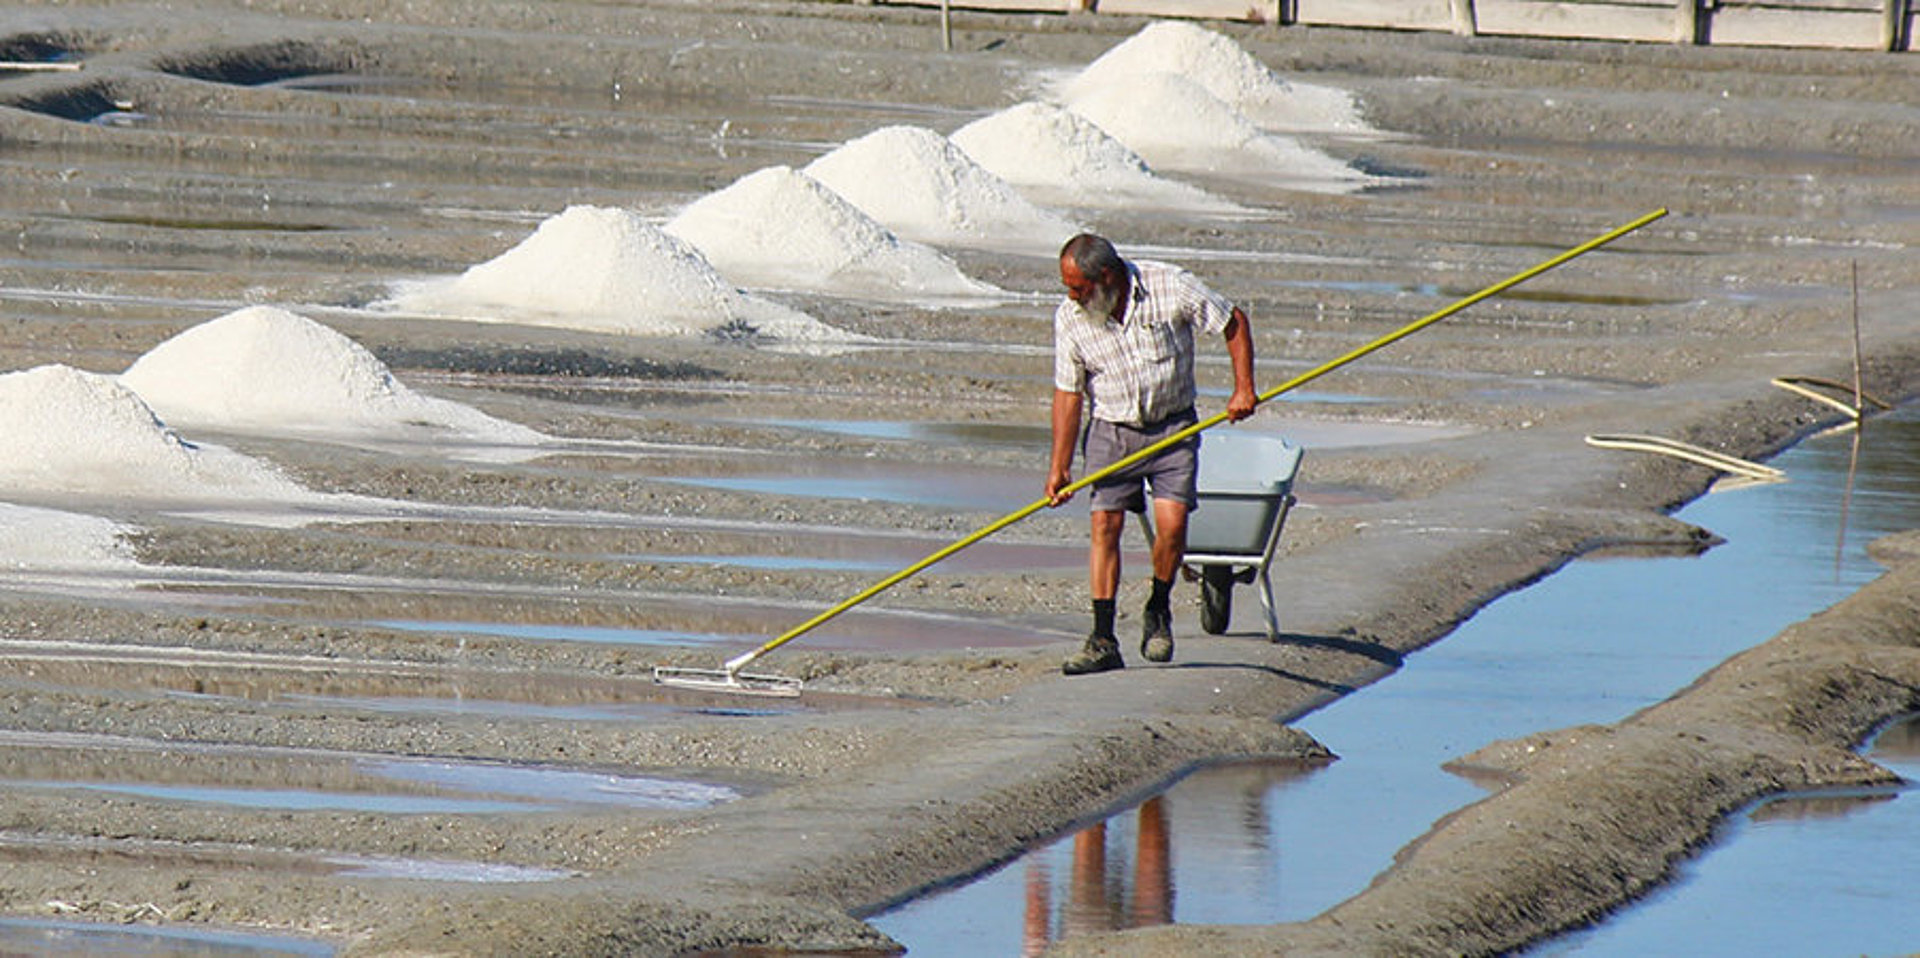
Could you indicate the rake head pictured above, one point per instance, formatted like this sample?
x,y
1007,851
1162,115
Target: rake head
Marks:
x,y
726,680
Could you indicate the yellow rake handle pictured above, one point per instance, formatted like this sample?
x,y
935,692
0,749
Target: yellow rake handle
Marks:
x,y
739,662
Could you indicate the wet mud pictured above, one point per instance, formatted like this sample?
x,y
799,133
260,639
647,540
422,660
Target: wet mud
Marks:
x,y
309,153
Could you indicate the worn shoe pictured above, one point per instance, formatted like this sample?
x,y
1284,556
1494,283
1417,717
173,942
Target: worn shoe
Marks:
x,y
1156,635
1101,653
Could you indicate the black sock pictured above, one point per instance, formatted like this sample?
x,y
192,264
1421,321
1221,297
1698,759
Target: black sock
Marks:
x,y
1162,593
1103,617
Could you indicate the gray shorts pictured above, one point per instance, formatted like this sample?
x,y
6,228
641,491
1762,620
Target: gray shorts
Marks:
x,y
1169,474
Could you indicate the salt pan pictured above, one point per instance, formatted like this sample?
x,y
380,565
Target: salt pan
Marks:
x,y
1225,70
923,187
64,432
32,538
1062,157
780,228
1176,124
266,370
607,270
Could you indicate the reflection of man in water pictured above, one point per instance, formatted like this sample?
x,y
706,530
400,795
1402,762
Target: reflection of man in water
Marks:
x,y
1037,932
1090,907
1152,866
1123,351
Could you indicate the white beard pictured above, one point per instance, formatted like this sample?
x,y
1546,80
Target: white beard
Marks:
x,y
1100,302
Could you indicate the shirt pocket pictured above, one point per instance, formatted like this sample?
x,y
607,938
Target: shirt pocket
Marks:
x,y
1158,342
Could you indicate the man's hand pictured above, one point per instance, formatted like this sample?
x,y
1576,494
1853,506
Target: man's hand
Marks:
x,y
1242,403
1057,481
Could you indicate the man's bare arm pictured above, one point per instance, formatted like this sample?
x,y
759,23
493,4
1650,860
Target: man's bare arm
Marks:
x,y
1066,428
1245,397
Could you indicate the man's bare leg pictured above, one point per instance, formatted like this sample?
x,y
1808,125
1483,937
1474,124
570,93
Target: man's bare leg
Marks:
x,y
1101,652
1169,547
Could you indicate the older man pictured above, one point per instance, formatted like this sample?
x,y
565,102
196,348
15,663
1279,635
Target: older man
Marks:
x,y
1123,354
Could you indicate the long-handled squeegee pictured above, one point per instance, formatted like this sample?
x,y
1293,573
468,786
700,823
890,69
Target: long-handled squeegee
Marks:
x,y
730,677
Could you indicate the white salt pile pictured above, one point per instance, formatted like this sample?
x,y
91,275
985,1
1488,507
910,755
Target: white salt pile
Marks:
x,y
607,270
1176,124
1062,157
923,187
780,228
266,370
68,432
33,538
1227,71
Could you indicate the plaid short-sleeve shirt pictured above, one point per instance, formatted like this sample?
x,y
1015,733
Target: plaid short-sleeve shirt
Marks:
x,y
1139,370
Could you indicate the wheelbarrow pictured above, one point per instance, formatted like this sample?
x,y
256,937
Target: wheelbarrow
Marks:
x,y
1245,487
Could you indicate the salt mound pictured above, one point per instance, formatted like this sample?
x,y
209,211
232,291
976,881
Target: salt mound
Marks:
x,y
64,431
1176,124
916,183
607,270
263,369
1061,156
780,228
33,538
1225,70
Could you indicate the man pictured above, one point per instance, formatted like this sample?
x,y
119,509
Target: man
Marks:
x,y
1123,353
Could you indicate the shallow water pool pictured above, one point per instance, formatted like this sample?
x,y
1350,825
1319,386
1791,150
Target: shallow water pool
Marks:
x,y
1591,643
1826,873
28,936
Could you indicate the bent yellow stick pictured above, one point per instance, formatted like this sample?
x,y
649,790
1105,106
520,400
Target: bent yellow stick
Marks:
x,y
733,666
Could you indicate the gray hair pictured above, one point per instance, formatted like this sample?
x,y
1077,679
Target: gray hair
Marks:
x,y
1093,256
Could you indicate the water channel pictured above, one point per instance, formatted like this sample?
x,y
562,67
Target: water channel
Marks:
x,y
27,936
1594,642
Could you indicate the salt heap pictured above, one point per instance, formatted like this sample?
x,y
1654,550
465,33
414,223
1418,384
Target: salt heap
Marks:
x,y
33,538
1223,69
266,370
1176,124
923,187
68,432
780,228
606,270
1062,157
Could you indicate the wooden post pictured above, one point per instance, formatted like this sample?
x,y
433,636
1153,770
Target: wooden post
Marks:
x,y
946,27
1859,391
1689,27
1464,22
1893,32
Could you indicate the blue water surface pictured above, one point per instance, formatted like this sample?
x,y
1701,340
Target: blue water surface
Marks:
x,y
1591,643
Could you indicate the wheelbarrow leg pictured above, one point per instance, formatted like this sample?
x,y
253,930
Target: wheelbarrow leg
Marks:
x,y
1266,604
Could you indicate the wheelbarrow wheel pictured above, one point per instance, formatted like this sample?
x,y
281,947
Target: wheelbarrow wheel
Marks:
x,y
1216,598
